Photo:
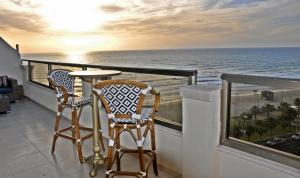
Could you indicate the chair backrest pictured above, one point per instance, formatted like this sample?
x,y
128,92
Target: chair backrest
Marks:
x,y
59,78
122,98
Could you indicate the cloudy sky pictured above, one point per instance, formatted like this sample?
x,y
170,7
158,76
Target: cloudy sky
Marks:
x,y
89,25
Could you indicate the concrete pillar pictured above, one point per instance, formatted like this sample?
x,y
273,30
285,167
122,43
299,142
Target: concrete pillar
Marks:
x,y
201,128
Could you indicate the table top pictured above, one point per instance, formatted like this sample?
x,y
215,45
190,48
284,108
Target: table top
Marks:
x,y
96,73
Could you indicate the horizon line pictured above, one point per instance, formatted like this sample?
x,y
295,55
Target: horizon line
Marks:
x,y
162,49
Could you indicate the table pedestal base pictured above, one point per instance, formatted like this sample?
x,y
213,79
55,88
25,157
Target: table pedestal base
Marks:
x,y
97,158
95,162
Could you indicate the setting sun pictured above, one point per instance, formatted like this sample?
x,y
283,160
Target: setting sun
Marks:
x,y
77,16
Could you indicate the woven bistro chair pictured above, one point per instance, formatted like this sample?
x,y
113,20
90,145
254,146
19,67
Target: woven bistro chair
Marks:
x,y
63,85
123,102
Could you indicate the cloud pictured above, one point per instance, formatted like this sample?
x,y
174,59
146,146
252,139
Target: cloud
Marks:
x,y
243,23
185,22
288,20
24,3
138,24
3,28
219,4
208,4
111,8
20,20
239,3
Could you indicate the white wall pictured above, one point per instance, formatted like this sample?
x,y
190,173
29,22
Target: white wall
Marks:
x,y
169,141
10,61
203,157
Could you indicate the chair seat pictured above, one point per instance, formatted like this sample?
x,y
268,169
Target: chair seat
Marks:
x,y
145,115
79,101
5,90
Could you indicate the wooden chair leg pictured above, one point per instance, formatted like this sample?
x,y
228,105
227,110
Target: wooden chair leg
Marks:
x,y
53,143
79,150
56,126
110,151
141,153
118,147
73,129
153,147
78,138
109,160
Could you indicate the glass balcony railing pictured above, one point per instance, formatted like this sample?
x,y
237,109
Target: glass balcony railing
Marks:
x,y
263,112
165,81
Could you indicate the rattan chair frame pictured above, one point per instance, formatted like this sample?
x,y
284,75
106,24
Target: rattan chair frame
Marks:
x,y
115,152
75,127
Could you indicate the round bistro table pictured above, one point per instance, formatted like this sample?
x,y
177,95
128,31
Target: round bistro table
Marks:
x,y
92,76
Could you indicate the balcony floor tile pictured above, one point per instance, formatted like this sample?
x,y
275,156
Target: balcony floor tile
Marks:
x,y
25,142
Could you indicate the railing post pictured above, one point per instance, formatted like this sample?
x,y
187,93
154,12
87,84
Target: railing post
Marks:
x,y
29,71
49,67
225,109
192,80
84,68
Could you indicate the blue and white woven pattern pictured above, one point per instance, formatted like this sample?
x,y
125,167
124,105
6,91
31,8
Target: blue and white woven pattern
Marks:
x,y
121,99
145,115
79,101
62,78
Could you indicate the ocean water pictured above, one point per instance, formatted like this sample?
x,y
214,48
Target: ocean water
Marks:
x,y
210,63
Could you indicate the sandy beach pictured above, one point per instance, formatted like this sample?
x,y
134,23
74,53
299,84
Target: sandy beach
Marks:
x,y
242,102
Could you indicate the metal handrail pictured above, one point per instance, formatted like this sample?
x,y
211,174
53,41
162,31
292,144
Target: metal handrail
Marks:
x,y
260,80
159,71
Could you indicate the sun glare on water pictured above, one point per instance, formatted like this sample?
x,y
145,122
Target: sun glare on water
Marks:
x,y
76,56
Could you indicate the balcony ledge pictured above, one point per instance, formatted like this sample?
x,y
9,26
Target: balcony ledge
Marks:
x,y
228,151
199,92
